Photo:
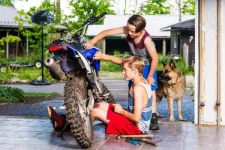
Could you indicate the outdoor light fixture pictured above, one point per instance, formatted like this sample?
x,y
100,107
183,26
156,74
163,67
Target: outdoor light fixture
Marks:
x,y
42,18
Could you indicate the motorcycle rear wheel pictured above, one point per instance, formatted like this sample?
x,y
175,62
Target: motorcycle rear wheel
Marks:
x,y
76,96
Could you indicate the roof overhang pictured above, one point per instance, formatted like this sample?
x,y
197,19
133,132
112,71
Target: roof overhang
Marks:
x,y
177,29
166,29
185,25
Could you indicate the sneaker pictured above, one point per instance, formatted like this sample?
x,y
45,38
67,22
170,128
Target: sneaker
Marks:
x,y
154,123
56,119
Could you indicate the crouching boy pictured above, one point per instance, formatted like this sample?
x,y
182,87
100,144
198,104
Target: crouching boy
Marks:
x,y
136,119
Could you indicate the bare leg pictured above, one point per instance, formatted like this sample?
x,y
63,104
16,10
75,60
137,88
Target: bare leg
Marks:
x,y
154,121
154,102
100,112
102,105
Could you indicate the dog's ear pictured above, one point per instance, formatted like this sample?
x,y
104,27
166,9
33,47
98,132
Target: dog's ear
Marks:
x,y
172,64
164,64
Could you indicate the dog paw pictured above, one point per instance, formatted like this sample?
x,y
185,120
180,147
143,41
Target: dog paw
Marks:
x,y
181,119
172,120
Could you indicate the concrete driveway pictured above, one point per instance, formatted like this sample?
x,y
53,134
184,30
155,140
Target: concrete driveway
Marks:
x,y
26,126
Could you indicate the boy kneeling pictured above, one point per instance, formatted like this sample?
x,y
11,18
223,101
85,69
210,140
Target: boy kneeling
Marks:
x,y
136,119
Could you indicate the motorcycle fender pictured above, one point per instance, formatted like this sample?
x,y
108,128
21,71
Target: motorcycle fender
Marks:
x,y
84,60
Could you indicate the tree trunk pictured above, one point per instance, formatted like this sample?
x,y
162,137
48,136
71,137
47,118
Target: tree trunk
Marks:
x,y
58,11
125,7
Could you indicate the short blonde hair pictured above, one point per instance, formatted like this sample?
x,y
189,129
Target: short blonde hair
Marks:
x,y
134,62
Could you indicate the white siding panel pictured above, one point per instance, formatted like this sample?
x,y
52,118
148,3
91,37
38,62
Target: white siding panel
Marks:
x,y
222,63
210,62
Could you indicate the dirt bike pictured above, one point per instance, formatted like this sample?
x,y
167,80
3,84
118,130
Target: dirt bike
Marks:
x,y
83,87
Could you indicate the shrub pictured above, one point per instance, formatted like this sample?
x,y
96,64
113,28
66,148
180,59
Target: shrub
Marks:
x,y
31,73
117,53
187,70
2,53
5,76
110,67
11,94
15,95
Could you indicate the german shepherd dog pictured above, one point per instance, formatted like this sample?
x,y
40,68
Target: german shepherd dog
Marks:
x,y
172,85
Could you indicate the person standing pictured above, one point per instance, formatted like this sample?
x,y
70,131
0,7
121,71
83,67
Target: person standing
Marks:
x,y
141,45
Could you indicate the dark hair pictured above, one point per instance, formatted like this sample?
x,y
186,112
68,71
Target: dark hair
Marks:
x,y
138,21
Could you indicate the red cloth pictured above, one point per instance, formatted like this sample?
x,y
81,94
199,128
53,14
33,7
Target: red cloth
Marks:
x,y
119,124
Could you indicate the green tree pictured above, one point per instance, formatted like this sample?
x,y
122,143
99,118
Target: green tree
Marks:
x,y
34,34
188,7
57,11
6,2
125,7
3,41
152,7
83,9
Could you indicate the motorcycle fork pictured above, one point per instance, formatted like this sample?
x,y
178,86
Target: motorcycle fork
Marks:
x,y
94,80
91,102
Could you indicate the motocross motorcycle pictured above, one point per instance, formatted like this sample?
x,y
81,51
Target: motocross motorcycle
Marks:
x,y
83,87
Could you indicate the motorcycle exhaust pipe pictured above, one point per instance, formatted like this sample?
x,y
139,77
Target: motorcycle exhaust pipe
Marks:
x,y
54,69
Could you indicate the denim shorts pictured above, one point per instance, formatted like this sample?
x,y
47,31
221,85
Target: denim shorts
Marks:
x,y
145,75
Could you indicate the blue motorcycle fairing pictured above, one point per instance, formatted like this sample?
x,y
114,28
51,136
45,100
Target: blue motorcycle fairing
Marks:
x,y
88,54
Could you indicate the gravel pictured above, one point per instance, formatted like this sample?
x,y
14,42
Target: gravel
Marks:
x,y
39,109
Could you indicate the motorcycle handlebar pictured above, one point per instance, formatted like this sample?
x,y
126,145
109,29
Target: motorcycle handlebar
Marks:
x,y
94,19
89,21
102,15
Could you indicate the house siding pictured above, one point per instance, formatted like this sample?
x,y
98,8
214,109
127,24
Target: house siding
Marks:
x,y
178,39
185,38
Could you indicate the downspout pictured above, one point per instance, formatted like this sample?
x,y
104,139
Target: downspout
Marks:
x,y
218,59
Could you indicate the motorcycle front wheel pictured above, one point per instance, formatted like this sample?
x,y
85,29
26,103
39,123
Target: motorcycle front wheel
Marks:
x,y
76,99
